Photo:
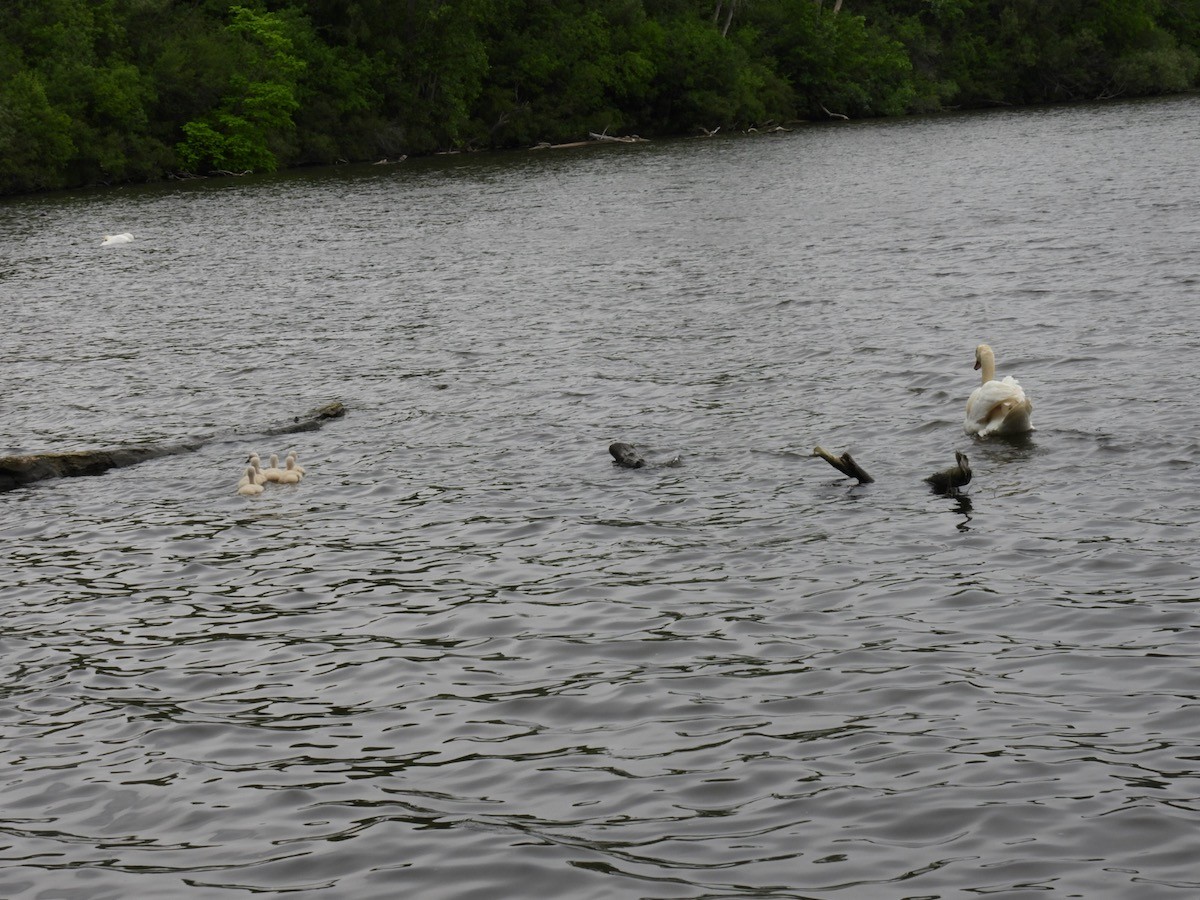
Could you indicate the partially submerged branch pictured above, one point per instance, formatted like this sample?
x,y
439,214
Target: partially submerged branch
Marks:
x,y
844,464
310,421
626,455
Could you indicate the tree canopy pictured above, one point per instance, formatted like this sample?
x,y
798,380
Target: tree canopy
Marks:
x,y
109,91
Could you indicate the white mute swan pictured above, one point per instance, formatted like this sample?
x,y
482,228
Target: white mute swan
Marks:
x,y
123,238
246,486
996,407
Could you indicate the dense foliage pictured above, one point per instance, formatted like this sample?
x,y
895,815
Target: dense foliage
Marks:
x,y
102,91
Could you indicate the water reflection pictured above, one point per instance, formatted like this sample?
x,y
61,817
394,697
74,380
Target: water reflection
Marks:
x,y
1008,447
963,506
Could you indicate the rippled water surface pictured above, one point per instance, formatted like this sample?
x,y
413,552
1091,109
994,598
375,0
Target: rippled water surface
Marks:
x,y
468,657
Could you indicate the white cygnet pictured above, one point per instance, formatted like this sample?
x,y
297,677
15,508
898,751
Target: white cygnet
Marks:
x,y
291,474
247,486
273,471
292,456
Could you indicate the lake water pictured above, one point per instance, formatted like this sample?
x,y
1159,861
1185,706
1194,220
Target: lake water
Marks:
x,y
469,657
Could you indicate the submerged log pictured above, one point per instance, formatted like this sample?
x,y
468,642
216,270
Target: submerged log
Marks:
x,y
19,470
310,421
844,464
626,455
948,481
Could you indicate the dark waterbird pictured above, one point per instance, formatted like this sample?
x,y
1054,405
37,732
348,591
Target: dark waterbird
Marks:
x,y
948,481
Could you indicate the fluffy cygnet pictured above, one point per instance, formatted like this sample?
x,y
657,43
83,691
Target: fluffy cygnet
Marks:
x,y
247,486
290,474
273,471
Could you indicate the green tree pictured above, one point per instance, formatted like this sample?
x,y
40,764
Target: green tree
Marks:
x,y
706,79
35,138
252,127
837,62
118,90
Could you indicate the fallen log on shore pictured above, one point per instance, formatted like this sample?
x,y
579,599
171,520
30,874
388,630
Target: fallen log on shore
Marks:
x,y
593,137
16,471
545,145
618,139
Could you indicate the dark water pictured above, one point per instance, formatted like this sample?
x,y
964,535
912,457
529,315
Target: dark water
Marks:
x,y
469,658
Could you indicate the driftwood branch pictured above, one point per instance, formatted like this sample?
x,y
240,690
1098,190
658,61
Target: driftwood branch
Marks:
x,y
592,137
626,455
18,470
844,464
546,145
624,139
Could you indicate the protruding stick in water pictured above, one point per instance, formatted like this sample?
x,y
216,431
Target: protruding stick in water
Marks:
x,y
626,455
844,464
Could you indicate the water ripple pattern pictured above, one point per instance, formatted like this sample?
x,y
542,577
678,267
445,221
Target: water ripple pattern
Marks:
x,y
468,657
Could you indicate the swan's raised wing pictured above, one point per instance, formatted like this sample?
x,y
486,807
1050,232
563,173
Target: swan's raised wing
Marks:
x,y
998,407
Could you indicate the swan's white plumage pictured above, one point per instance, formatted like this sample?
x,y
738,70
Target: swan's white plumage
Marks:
x,y
110,239
996,407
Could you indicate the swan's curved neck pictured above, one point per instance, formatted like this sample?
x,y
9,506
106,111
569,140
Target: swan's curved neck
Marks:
x,y
987,365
